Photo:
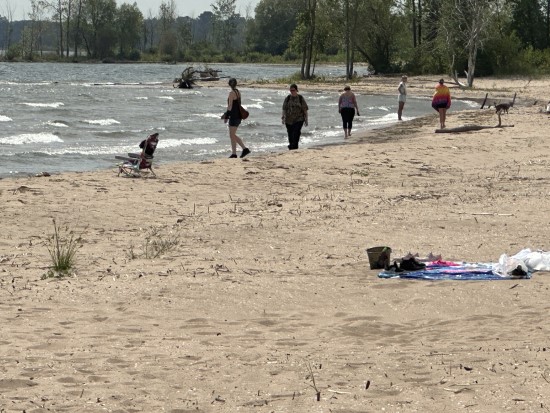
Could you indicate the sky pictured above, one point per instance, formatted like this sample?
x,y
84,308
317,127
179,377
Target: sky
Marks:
x,y
192,8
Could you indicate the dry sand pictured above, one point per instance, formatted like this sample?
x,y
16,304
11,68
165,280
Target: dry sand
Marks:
x,y
268,296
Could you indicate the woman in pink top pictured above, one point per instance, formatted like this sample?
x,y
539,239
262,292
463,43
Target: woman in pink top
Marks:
x,y
347,104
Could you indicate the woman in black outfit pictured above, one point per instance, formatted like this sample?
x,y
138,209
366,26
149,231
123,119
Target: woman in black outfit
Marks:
x,y
347,105
233,115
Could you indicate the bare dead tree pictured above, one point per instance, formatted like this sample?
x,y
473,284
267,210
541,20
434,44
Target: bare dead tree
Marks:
x,y
466,24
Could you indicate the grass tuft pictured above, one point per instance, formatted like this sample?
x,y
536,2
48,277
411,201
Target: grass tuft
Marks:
x,y
63,247
158,241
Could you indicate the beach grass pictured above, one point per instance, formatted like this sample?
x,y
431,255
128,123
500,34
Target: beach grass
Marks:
x,y
62,249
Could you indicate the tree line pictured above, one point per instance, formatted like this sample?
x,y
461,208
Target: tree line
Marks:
x,y
464,38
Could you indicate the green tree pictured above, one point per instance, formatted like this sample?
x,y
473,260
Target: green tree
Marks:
x,y
129,23
342,20
203,27
57,7
224,23
8,26
421,52
351,15
148,33
99,31
32,33
309,21
377,34
530,23
303,38
168,43
77,32
272,27
184,30
68,9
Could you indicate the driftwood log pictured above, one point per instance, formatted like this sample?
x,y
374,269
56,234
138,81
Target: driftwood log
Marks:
x,y
186,80
469,128
190,75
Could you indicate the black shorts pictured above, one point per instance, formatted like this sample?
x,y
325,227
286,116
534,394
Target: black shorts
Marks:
x,y
234,122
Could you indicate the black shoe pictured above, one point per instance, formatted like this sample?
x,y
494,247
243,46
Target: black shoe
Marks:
x,y
412,265
233,155
394,267
518,272
245,152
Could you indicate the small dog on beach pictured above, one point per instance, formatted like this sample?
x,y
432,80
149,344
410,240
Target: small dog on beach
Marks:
x,y
502,107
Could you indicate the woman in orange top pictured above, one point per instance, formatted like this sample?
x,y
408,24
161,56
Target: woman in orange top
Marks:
x,y
441,101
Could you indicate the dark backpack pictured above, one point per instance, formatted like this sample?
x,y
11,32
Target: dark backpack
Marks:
x,y
150,144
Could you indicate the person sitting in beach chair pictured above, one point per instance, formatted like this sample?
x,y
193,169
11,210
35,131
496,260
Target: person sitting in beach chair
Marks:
x,y
135,164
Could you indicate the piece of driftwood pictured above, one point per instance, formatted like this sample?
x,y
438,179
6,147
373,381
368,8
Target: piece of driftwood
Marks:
x,y
484,100
465,128
191,75
186,81
469,128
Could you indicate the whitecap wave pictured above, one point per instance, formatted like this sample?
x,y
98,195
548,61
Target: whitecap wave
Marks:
x,y
180,121
384,120
266,146
28,138
383,108
53,105
93,151
172,143
254,106
57,123
102,122
308,140
262,102
5,118
333,133
318,97
209,115
7,82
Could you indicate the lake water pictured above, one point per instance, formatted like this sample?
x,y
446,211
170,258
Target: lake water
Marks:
x,y
59,117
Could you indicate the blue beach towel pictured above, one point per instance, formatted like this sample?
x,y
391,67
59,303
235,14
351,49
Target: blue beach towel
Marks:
x,y
460,271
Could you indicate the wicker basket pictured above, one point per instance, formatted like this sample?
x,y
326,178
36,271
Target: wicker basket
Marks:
x,y
379,257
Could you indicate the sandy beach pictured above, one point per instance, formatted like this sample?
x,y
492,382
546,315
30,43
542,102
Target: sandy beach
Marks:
x,y
262,298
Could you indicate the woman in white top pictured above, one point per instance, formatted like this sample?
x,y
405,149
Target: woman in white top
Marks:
x,y
402,96
347,105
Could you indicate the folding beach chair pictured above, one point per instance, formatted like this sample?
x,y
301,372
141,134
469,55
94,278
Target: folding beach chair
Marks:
x,y
138,164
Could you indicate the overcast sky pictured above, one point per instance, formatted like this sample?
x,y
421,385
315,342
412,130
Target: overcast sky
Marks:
x,y
192,8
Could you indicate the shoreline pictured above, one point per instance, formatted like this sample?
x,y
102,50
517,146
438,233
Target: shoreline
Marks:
x,y
358,137
315,87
